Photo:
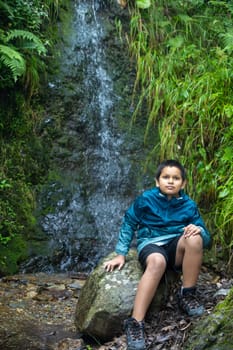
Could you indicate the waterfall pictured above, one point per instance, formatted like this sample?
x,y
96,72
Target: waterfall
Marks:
x,y
97,164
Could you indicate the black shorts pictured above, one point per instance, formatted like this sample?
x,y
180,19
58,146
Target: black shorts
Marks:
x,y
167,250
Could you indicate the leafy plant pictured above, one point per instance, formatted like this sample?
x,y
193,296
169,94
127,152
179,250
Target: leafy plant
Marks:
x,y
183,53
10,56
23,49
26,41
143,4
13,60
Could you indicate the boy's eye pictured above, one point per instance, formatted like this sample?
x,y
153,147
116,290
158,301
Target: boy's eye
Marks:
x,y
168,177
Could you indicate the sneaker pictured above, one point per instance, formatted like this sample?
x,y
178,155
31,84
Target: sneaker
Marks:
x,y
189,303
134,334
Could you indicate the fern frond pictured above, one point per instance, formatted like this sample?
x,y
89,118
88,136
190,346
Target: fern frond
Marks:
x,y
227,39
13,60
28,40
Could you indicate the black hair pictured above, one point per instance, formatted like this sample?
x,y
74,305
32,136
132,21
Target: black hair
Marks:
x,y
170,163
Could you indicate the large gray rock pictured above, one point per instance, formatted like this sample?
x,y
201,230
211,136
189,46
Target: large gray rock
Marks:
x,y
107,298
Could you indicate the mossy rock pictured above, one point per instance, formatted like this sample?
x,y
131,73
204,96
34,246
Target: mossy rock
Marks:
x,y
107,298
215,331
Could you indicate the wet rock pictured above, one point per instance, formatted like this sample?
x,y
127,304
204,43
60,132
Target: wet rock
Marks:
x,y
107,298
45,294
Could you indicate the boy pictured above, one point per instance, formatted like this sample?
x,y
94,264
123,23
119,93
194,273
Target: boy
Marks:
x,y
170,234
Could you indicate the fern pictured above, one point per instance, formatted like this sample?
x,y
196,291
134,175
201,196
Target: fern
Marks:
x,y
27,40
13,60
227,39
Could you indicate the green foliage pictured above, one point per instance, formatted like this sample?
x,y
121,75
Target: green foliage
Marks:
x,y
23,158
143,4
30,66
184,60
214,331
14,219
21,14
21,48
21,166
26,40
12,60
11,254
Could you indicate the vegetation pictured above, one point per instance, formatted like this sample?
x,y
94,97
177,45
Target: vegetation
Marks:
x,y
183,52
25,42
215,330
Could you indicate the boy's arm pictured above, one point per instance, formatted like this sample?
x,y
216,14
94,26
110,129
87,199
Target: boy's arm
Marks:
x,y
126,234
127,231
125,237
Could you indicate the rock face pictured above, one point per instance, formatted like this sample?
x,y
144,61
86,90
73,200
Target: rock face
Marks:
x,y
107,298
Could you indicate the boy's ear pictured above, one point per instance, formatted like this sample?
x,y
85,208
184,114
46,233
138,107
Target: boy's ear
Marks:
x,y
183,184
156,182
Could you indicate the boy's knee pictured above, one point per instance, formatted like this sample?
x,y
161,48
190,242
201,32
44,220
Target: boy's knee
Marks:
x,y
156,262
195,242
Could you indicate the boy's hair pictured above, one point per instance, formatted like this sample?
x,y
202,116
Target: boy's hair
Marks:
x,y
170,163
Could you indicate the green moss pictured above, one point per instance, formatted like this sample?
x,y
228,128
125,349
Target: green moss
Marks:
x,y
24,151
11,254
215,331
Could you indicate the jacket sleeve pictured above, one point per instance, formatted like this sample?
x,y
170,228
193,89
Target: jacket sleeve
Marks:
x,y
198,221
128,229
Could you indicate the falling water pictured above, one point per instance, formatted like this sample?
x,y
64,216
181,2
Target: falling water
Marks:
x,y
96,186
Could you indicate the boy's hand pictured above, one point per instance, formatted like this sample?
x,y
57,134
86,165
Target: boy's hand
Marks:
x,y
119,261
191,230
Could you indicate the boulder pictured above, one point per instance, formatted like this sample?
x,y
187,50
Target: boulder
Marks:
x,y
107,298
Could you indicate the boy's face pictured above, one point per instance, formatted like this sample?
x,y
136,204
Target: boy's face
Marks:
x,y
170,181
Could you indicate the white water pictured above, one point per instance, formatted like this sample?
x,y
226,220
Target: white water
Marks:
x,y
85,218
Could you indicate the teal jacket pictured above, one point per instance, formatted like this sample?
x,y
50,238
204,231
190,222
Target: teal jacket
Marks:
x,y
155,219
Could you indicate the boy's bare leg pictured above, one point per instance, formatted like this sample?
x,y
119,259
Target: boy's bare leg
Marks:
x,y
156,265
189,255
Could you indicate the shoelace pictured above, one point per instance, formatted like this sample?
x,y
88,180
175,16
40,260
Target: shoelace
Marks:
x,y
136,330
190,300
